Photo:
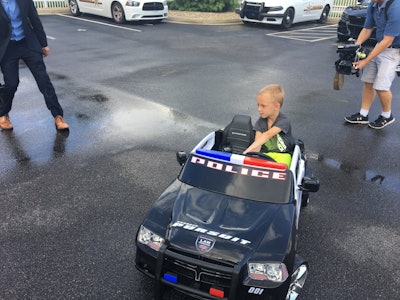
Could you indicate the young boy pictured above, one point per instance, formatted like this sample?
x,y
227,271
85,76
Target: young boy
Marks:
x,y
273,129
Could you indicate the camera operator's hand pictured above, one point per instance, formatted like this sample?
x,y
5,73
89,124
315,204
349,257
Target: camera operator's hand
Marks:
x,y
358,65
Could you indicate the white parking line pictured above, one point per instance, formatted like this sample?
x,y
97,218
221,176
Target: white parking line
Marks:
x,y
101,23
310,35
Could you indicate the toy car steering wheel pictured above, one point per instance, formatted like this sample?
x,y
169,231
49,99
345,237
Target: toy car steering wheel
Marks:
x,y
260,155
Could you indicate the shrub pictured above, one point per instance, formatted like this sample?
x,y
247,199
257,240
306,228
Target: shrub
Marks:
x,y
203,5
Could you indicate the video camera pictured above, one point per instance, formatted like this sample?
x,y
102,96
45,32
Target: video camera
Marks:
x,y
348,54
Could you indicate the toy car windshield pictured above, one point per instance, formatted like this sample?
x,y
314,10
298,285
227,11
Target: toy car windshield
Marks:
x,y
242,181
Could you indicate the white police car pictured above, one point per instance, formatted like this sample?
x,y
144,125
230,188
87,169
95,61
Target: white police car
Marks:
x,y
122,10
284,12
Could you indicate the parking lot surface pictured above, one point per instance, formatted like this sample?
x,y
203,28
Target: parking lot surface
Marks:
x,y
133,96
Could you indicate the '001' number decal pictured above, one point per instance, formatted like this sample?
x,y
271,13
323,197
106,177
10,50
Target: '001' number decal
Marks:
x,y
255,291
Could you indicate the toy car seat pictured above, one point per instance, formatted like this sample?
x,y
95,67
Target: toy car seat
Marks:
x,y
238,135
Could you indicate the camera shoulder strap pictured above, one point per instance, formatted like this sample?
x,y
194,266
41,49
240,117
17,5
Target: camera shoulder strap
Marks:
x,y
387,7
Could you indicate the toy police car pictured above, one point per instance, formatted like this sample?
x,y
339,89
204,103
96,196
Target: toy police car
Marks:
x,y
226,228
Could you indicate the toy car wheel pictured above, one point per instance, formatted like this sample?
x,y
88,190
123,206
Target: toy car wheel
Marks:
x,y
74,8
118,13
305,199
288,17
324,15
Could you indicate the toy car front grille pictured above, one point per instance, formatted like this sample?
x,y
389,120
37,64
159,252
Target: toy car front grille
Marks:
x,y
202,258
197,274
153,6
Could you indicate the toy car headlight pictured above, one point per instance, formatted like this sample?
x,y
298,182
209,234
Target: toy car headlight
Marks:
x,y
276,272
132,3
149,238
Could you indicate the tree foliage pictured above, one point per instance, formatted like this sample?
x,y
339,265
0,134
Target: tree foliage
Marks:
x,y
203,5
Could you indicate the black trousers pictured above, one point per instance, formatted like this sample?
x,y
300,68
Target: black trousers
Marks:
x,y
10,69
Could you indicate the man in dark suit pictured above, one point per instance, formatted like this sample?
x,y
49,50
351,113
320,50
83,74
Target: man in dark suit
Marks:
x,y
22,37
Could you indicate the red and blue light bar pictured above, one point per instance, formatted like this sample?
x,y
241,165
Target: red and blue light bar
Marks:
x,y
216,292
171,278
241,159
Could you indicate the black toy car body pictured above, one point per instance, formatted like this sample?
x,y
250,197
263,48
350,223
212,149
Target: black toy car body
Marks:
x,y
226,228
352,21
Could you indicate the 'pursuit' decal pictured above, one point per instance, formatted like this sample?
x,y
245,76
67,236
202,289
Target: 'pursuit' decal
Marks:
x,y
195,228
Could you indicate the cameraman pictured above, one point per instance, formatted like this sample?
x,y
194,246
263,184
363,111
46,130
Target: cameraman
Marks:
x,y
380,65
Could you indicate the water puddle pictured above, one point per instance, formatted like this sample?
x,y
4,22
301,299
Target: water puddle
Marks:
x,y
390,182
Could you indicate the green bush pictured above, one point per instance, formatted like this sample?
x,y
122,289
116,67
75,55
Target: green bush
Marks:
x,y
203,5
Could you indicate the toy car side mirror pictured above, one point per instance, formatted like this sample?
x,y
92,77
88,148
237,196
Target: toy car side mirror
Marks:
x,y
310,185
181,157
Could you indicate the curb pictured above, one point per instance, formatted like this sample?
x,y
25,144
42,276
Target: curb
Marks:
x,y
52,11
171,19
181,20
174,19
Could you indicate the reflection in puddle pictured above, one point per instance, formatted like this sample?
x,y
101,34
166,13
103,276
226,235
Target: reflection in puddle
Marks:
x,y
389,182
59,143
20,156
20,152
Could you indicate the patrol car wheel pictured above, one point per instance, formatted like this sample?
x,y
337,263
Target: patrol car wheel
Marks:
x,y
118,13
74,8
324,15
288,17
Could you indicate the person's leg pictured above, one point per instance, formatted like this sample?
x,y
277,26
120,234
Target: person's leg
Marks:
x,y
10,70
387,63
35,63
368,95
385,97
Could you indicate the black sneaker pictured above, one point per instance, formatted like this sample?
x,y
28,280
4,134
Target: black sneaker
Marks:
x,y
382,122
357,119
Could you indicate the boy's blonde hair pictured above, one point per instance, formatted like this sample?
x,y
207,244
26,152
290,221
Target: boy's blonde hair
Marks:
x,y
275,91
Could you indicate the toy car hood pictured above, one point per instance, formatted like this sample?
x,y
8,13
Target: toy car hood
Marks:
x,y
228,228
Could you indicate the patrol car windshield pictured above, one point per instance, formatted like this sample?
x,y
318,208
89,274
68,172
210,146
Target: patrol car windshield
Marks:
x,y
248,182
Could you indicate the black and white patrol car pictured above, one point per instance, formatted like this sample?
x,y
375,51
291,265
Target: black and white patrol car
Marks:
x,y
226,228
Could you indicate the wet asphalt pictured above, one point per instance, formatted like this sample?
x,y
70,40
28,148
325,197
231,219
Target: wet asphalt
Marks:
x,y
134,95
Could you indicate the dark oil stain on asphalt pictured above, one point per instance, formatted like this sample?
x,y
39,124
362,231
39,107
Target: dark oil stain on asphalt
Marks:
x,y
58,76
160,71
82,116
96,98
388,182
